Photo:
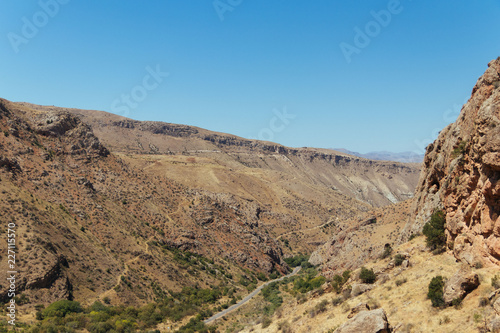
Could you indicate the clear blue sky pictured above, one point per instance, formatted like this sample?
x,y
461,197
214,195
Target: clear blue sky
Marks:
x,y
400,87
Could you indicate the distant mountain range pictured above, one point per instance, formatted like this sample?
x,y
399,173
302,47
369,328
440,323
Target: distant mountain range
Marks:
x,y
404,157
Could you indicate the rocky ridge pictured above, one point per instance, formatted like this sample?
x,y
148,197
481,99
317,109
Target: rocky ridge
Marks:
x,y
377,183
461,177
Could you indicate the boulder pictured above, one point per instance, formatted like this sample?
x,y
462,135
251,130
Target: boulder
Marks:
x,y
460,284
493,294
360,288
494,325
357,309
496,306
374,321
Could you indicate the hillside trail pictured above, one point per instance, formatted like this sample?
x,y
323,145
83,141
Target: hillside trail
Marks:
x,y
125,270
308,229
248,297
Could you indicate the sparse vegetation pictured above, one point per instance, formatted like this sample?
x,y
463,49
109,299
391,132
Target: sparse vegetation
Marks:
x,y
495,281
337,301
435,293
483,301
387,252
398,259
309,281
338,281
400,282
271,294
266,322
319,308
434,230
285,327
459,150
415,235
367,275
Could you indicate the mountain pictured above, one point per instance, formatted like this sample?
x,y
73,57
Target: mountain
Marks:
x,y
295,190
154,208
461,177
404,157
376,183
372,287
77,208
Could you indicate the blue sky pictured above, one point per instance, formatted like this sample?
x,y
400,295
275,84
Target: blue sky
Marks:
x,y
258,69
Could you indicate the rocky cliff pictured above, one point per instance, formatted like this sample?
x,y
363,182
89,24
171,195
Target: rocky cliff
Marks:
x,y
461,176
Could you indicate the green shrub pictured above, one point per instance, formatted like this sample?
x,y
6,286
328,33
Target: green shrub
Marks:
x,y
296,260
413,236
387,252
337,301
401,281
495,281
339,281
367,275
266,321
459,150
303,285
62,308
271,294
261,276
434,230
457,302
194,325
398,259
435,292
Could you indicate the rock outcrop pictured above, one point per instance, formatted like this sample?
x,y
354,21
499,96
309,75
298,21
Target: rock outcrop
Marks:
x,y
461,177
374,321
460,284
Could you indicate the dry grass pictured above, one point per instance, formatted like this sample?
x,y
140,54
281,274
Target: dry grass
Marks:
x,y
406,305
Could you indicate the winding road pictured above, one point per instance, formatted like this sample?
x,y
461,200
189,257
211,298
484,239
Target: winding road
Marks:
x,y
248,297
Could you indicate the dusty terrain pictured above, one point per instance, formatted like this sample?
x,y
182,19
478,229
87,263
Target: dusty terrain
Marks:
x,y
89,225
401,292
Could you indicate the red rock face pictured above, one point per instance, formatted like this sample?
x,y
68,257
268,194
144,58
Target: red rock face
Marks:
x,y
461,176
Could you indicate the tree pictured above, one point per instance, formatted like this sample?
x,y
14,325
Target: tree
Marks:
x,y
367,275
434,230
436,291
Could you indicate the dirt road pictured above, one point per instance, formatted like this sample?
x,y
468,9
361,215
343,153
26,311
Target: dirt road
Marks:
x,y
248,297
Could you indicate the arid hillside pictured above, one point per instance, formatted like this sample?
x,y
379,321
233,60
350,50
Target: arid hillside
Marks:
x,y
90,226
100,217
298,170
396,301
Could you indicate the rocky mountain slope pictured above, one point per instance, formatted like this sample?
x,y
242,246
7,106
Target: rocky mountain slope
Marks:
x,y
240,205
376,183
461,176
361,240
88,225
